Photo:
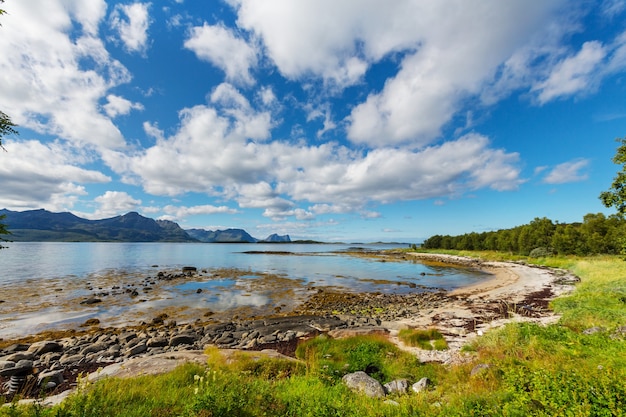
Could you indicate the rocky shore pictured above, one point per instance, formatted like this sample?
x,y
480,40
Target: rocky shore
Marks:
x,y
49,365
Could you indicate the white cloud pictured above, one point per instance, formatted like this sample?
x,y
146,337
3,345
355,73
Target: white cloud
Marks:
x,y
181,212
116,106
131,21
111,204
219,46
34,175
212,153
567,172
448,51
47,85
572,75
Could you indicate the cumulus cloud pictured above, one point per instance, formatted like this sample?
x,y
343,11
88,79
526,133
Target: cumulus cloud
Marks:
x,y
111,204
212,153
567,172
221,47
448,51
47,85
36,175
131,22
116,106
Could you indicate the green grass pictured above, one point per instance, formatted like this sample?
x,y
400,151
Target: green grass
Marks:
x,y
429,339
533,370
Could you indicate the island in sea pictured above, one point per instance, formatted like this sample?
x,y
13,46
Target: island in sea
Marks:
x,y
45,226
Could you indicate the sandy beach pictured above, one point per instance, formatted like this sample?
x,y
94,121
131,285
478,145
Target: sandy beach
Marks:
x,y
517,292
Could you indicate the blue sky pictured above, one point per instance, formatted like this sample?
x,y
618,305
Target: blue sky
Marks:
x,y
352,120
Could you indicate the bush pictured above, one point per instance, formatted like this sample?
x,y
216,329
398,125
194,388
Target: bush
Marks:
x,y
541,252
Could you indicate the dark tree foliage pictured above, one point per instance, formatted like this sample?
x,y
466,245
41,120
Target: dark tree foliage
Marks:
x,y
616,196
597,234
7,127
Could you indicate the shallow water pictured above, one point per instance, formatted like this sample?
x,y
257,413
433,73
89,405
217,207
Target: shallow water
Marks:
x,y
41,284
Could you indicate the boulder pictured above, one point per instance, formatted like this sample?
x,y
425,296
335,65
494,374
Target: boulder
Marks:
x,y
398,386
18,356
362,382
23,367
51,376
421,385
46,346
183,339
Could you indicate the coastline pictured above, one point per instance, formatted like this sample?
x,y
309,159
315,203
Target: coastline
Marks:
x,y
516,292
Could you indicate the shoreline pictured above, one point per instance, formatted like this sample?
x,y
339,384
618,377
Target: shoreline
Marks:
x,y
516,292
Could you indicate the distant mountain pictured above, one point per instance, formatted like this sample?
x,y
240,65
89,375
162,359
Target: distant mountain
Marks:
x,y
221,236
42,225
274,238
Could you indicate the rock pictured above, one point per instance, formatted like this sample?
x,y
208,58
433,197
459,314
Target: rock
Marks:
x,y
18,356
189,269
55,377
160,319
22,367
127,337
398,386
183,339
362,382
95,347
421,385
157,341
90,322
67,360
593,330
18,347
136,350
46,346
90,301
6,364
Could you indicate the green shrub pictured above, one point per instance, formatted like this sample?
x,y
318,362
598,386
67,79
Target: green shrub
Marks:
x,y
331,359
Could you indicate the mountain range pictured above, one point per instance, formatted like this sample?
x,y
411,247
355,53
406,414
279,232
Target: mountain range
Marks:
x,y
45,226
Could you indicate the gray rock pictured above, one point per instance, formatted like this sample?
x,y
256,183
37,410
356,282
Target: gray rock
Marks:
x,y
183,339
126,337
593,330
362,382
95,347
50,357
136,350
18,347
6,364
67,360
157,341
40,348
398,386
22,367
55,377
421,385
18,356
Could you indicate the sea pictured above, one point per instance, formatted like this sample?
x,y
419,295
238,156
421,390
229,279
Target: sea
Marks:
x,y
44,272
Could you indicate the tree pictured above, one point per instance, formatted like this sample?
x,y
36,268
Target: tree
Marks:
x,y
7,127
616,195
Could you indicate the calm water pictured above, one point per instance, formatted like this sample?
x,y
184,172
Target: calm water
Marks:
x,y
42,284
317,263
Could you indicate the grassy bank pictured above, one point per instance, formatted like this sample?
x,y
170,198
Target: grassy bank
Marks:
x,y
526,369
